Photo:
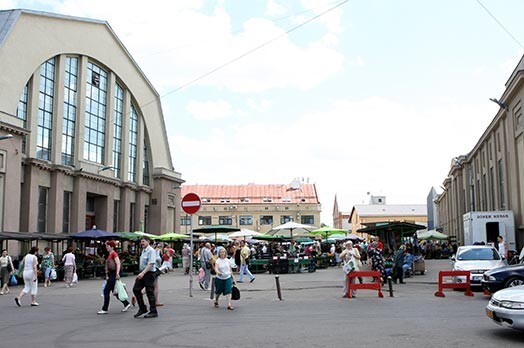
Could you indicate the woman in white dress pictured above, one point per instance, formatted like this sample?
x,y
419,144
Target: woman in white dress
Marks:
x,y
30,277
351,260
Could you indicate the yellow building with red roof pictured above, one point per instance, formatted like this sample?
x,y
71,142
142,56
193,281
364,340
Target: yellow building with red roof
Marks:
x,y
257,207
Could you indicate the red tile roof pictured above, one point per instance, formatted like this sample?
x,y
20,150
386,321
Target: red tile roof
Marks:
x,y
253,193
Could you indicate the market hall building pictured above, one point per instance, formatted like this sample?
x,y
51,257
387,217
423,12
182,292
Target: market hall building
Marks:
x,y
82,134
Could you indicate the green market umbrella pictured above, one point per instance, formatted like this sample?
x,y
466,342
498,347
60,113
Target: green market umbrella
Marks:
x,y
128,235
151,236
328,231
171,237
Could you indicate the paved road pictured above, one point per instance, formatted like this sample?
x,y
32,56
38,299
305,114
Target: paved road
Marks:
x,y
312,314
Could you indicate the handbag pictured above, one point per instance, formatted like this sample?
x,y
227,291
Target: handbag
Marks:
x,y
235,293
13,280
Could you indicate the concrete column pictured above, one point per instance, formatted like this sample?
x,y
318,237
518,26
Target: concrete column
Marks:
x,y
55,208
29,205
164,198
32,114
125,203
141,200
12,148
78,205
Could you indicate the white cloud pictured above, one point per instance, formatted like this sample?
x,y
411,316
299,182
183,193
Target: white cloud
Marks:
x,y
209,110
273,8
7,4
351,147
175,42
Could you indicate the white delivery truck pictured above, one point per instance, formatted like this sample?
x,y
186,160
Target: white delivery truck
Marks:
x,y
486,226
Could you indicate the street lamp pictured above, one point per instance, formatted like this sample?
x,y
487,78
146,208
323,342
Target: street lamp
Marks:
x,y
498,102
7,136
105,168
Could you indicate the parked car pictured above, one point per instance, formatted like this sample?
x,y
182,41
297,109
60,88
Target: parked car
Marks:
x,y
477,259
504,277
506,307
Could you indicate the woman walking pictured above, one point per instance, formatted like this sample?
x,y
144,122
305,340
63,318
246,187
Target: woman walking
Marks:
x,y
113,267
69,266
351,261
6,267
224,279
30,277
48,264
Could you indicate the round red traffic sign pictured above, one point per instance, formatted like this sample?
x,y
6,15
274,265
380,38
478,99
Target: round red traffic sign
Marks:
x,y
191,203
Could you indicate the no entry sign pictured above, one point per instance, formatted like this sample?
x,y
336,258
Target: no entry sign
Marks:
x,y
191,203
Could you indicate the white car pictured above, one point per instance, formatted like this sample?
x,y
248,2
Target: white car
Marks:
x,y
477,259
506,307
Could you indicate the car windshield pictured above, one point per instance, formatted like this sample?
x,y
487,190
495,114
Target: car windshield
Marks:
x,y
478,254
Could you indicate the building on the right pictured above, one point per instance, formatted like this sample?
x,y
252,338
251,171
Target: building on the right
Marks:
x,y
491,176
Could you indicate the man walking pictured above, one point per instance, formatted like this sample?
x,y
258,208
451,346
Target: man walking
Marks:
x,y
205,261
146,279
502,247
244,262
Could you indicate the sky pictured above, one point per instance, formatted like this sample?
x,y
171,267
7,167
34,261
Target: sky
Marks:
x,y
359,97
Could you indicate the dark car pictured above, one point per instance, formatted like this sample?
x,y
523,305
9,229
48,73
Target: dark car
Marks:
x,y
503,277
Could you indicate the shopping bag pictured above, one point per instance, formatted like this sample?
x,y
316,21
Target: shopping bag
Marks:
x,y
201,274
103,288
120,288
235,293
13,280
53,274
75,278
20,271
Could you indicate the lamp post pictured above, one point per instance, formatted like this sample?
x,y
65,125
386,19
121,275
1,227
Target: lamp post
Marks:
x,y
105,168
7,136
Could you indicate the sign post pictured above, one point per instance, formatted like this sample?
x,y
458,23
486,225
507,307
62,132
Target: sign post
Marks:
x,y
191,204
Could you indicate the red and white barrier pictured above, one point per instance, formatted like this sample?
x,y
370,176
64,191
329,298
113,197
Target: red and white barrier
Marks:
x,y
375,285
448,285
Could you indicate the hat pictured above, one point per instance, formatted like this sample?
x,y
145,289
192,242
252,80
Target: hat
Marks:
x,y
111,243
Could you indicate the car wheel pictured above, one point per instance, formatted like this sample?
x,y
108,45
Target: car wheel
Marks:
x,y
514,281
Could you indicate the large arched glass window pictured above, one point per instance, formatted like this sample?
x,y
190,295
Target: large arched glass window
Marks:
x,y
96,100
45,110
133,144
69,118
117,129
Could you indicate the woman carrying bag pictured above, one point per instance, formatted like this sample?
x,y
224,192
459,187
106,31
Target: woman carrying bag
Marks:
x,y
351,262
6,268
113,267
224,278
30,277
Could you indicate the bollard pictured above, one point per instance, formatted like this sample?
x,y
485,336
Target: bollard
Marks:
x,y
279,293
211,295
390,285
